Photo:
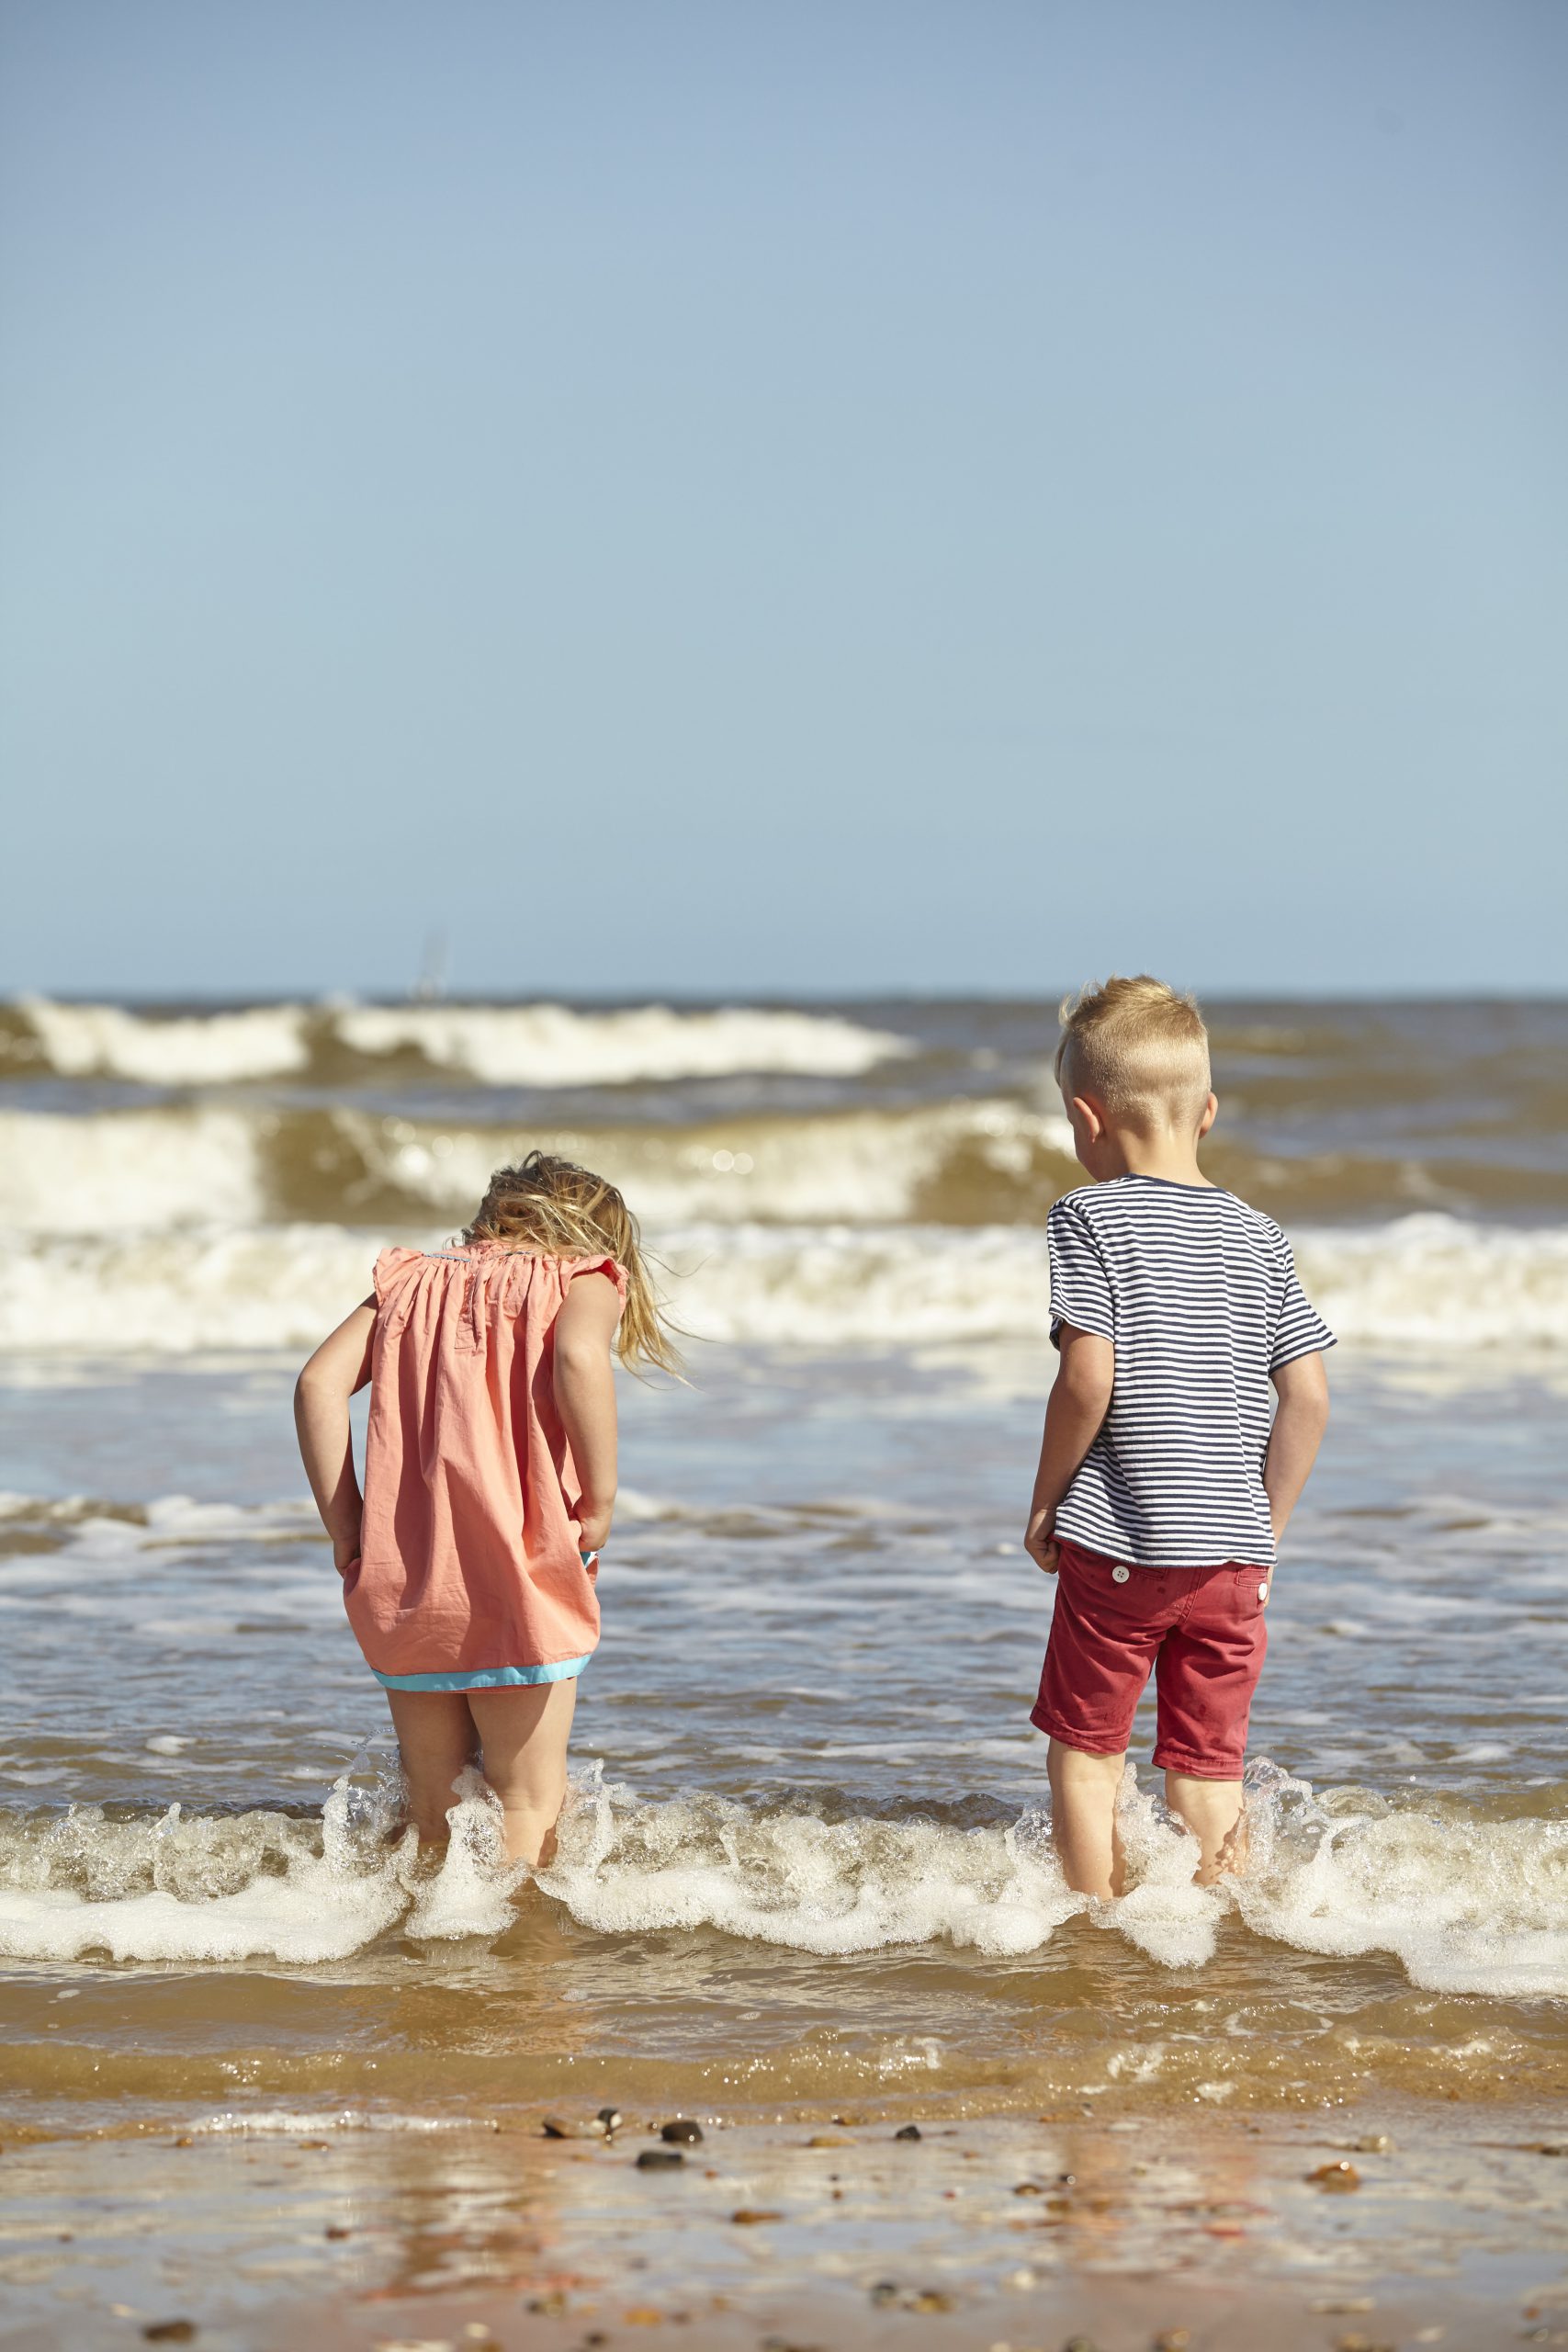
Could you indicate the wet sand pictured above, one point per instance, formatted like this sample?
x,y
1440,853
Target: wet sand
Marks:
x,y
1201,2234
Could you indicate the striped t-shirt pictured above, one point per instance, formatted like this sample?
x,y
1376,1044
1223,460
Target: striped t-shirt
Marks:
x,y
1198,1294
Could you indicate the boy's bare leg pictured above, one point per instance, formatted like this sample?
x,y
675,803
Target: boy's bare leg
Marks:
x,y
436,1742
525,1733
1213,1812
1083,1817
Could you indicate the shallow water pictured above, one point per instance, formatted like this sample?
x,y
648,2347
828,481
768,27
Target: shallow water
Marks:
x,y
807,1852
806,1858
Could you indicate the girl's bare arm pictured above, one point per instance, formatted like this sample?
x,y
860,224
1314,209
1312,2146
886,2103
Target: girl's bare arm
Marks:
x,y
1078,1404
340,1366
585,1397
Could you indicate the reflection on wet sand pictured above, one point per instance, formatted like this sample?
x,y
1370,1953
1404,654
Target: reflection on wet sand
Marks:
x,y
980,2232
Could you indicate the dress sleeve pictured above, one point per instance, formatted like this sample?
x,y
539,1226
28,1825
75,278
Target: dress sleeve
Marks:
x,y
1080,1286
572,1267
391,1267
1299,1329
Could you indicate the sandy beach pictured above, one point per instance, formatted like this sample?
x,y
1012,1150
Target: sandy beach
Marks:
x,y
1396,2228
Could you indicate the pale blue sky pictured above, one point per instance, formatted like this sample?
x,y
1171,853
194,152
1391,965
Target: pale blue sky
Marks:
x,y
826,495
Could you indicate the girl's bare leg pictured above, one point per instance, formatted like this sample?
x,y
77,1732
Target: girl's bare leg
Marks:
x,y
1213,1812
524,1733
1084,1790
437,1741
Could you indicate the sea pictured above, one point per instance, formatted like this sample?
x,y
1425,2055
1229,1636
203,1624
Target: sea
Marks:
x,y
805,1859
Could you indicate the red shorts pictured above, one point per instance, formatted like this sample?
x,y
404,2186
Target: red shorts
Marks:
x,y
1200,1631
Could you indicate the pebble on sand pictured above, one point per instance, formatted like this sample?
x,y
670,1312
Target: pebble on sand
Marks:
x,y
170,2331
1340,2176
660,2159
908,2131
683,2132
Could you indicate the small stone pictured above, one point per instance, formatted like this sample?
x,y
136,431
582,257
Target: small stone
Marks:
x,y
828,2140
683,2132
1375,2143
1336,2177
746,2217
908,2131
611,2118
885,2292
336,2230
1341,2306
559,2127
930,2299
660,2159
1029,2188
170,2331
1172,2339
315,2144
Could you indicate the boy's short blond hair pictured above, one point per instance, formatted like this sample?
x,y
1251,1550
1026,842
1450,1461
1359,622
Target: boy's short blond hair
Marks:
x,y
1138,1046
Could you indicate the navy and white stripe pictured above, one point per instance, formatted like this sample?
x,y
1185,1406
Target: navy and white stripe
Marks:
x,y
1198,1294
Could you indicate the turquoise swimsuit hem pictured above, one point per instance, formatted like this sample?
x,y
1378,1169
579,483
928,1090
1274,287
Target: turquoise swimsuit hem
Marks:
x,y
484,1678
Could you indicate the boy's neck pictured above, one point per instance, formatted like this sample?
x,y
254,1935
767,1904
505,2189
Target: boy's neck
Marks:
x,y
1172,1158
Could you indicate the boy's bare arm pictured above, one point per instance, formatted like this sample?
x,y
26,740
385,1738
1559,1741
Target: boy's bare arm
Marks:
x,y
340,1366
1300,1420
585,1398
1078,1403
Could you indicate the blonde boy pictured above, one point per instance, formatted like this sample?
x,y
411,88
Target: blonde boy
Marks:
x,y
1166,1473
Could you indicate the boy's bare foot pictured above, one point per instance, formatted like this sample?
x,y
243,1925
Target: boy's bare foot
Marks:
x,y
1230,1859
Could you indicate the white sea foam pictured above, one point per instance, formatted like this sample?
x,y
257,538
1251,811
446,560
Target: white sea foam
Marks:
x,y
1423,1283
552,1045
523,1044
142,1171
1464,1905
190,1049
860,1167
172,1167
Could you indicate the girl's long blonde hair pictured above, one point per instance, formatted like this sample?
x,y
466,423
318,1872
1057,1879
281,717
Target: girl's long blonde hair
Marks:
x,y
564,1211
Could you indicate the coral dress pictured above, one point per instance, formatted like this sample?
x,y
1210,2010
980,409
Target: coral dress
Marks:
x,y
471,1576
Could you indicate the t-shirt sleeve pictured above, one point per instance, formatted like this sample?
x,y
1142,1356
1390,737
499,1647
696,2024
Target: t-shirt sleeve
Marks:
x,y
1080,1286
1298,1329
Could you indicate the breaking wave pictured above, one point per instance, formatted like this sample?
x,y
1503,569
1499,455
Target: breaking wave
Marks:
x,y
1427,1282
961,1163
525,1044
1464,1904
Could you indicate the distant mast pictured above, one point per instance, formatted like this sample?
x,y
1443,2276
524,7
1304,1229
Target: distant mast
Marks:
x,y
431,984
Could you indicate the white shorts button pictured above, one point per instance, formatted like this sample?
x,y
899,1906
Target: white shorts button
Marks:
x,y
1120,1576
1262,1592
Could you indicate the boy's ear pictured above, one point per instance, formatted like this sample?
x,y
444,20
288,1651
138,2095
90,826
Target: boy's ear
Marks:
x,y
1210,1112
1091,1114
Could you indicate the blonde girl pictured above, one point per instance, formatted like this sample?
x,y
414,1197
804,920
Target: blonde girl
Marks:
x,y
468,1566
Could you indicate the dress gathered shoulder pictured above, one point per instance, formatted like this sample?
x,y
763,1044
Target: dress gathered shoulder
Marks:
x,y
471,1574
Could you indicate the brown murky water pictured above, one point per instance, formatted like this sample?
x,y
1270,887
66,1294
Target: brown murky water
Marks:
x,y
807,1862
